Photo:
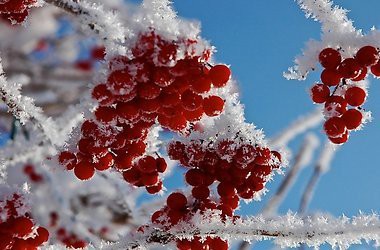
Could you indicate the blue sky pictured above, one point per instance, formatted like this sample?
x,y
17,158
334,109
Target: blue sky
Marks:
x,y
260,39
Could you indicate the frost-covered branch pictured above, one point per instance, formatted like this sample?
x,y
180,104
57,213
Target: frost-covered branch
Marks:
x,y
299,126
23,108
105,24
321,167
302,159
287,231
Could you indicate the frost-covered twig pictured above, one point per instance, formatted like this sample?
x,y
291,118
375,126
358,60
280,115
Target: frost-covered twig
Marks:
x,y
23,108
301,160
337,31
299,126
321,167
287,231
105,24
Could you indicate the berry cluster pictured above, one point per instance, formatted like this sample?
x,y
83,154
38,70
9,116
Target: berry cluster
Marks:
x,y
342,75
166,83
15,10
17,231
240,169
31,173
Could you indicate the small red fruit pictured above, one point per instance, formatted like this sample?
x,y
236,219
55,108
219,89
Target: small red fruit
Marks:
x,y
330,58
352,118
334,127
176,201
355,96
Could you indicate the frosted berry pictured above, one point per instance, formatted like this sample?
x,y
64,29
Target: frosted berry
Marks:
x,y
334,127
355,96
330,77
319,93
329,58
219,75
367,56
349,68
84,170
176,201
213,105
352,118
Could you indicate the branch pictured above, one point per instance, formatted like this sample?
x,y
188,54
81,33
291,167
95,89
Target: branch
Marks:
x,y
287,231
105,24
23,108
299,126
301,160
321,167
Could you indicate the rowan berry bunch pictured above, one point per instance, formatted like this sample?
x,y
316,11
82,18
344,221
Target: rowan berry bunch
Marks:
x,y
343,77
168,83
240,170
16,10
17,229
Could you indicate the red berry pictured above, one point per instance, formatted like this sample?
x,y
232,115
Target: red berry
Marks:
x,y
352,118
200,192
213,105
195,177
375,69
102,94
176,201
161,164
335,105
104,162
162,77
226,189
319,93
219,75
177,123
105,114
149,179
330,77
334,127
84,170
245,154
127,110
201,85
362,75
355,96
132,175
193,115
68,159
367,56
191,100
349,68
147,164
21,226
42,236
155,188
330,58
262,156
156,217
340,139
